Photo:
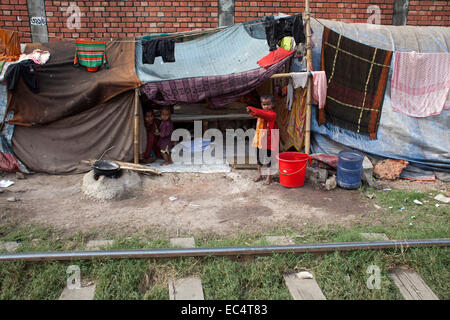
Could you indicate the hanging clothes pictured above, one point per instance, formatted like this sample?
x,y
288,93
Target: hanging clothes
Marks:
x,y
299,79
319,88
420,83
356,75
277,29
289,94
90,54
164,48
274,56
38,56
26,70
287,43
9,45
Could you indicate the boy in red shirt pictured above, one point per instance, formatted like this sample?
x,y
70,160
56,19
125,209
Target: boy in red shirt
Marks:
x,y
266,138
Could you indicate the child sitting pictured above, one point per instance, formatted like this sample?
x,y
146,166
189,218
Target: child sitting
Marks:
x,y
151,125
165,134
266,130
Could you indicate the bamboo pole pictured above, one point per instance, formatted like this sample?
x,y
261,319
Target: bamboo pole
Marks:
x,y
308,68
136,125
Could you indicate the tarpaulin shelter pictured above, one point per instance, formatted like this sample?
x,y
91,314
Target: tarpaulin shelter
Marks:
x,y
423,142
78,114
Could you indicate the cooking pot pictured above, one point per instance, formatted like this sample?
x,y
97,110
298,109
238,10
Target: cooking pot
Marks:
x,y
106,168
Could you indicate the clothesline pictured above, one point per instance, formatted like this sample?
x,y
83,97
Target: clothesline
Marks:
x,y
169,35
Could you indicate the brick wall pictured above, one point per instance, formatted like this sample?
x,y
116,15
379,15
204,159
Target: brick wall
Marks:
x,y
14,16
429,13
342,10
113,19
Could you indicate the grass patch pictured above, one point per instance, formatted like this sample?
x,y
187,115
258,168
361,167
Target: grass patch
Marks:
x,y
340,275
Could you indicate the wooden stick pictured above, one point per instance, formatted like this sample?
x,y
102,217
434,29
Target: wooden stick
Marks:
x,y
129,166
308,68
136,125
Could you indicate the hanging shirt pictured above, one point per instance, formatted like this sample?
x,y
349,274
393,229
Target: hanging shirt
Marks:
x,y
26,70
90,54
164,48
277,29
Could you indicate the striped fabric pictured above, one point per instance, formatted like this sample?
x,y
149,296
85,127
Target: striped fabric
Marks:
x,y
90,54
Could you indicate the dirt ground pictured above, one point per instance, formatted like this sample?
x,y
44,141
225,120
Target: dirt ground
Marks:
x,y
222,203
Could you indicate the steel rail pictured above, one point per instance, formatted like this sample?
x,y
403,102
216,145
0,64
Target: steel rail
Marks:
x,y
223,251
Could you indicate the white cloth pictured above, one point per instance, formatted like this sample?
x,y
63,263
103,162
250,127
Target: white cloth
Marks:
x,y
289,94
299,79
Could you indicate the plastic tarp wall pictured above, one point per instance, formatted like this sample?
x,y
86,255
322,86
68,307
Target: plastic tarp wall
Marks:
x,y
228,51
424,142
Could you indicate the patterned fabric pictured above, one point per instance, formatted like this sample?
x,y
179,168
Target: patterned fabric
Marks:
x,y
420,83
38,56
90,54
220,90
357,76
292,123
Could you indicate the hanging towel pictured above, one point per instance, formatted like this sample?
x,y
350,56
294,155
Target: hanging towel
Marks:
x,y
164,48
9,45
273,57
420,83
300,79
38,56
319,89
90,54
356,76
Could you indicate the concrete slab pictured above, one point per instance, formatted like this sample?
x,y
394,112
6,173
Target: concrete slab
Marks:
x,y
411,285
186,289
280,240
374,236
84,293
183,242
97,244
303,289
9,246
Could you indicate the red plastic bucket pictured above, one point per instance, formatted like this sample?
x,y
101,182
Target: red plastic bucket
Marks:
x,y
292,168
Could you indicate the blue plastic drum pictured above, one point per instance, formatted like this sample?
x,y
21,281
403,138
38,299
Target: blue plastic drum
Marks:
x,y
349,169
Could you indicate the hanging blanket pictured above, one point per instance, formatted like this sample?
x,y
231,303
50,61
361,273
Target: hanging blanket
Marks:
x,y
221,90
420,83
292,123
9,45
357,76
90,54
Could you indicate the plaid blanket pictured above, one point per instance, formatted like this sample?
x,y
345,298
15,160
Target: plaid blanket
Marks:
x,y
90,54
357,76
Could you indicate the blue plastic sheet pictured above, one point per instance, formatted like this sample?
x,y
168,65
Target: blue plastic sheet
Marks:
x,y
228,51
424,142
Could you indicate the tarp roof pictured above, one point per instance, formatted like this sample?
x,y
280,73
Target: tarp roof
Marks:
x,y
422,141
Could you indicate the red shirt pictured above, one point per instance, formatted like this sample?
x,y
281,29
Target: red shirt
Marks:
x,y
269,117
